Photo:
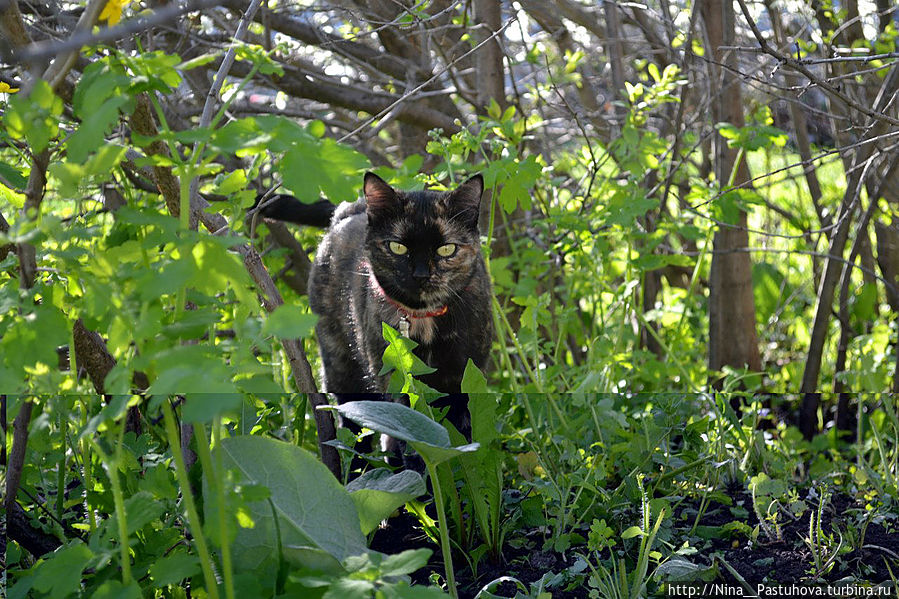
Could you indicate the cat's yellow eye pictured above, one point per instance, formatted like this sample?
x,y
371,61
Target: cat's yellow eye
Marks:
x,y
397,248
446,250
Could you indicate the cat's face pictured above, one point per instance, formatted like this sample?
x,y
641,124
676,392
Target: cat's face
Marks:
x,y
423,245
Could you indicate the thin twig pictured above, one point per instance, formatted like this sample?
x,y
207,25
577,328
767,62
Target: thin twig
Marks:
x,y
420,87
45,49
218,82
799,66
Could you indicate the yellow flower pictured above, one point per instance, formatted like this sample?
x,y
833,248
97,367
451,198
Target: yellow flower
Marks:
x,y
6,89
112,12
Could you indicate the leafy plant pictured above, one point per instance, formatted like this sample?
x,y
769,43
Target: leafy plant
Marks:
x,y
823,547
429,439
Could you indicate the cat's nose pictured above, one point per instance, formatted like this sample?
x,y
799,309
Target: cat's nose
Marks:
x,y
421,272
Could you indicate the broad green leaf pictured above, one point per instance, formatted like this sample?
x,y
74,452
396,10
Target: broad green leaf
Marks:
x,y
200,373
35,117
289,322
379,492
517,189
12,177
114,589
60,574
473,380
153,71
398,355
141,509
99,81
347,588
626,205
174,568
406,562
312,167
427,437
315,516
403,591
33,338
864,302
678,569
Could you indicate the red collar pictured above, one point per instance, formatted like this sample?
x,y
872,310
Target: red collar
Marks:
x,y
404,310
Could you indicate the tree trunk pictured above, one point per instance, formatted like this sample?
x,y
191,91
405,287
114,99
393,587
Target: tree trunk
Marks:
x,y
733,340
491,78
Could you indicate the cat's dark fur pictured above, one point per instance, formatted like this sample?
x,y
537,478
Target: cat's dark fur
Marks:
x,y
357,283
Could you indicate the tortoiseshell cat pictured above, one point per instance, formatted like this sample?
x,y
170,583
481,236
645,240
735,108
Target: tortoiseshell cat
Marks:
x,y
410,259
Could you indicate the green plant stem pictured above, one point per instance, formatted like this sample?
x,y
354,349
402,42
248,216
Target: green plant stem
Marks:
x,y
672,473
444,532
213,475
193,517
118,498
61,423
88,466
521,353
504,351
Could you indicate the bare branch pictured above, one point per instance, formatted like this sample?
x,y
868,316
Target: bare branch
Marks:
x,y
86,37
799,66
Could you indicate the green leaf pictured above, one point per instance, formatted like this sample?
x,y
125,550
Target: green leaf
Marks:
x,y
473,380
406,562
633,531
427,437
403,591
626,205
114,589
231,183
100,80
289,322
678,569
864,302
91,133
200,374
516,191
493,110
260,58
12,177
316,517
199,61
398,355
34,117
174,568
242,134
379,492
347,588
657,261
60,575
33,338
141,509
312,167
153,71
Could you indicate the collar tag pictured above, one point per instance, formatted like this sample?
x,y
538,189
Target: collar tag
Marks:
x,y
404,326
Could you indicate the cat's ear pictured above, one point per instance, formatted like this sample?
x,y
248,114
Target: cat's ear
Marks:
x,y
465,200
379,196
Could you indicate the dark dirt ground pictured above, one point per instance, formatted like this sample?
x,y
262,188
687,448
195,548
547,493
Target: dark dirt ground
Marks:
x,y
785,561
